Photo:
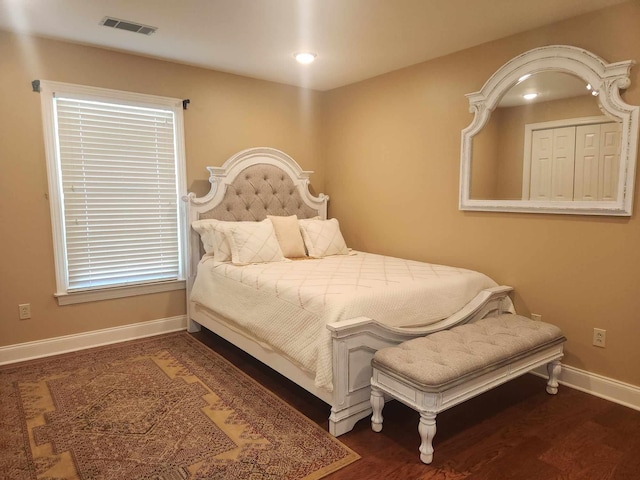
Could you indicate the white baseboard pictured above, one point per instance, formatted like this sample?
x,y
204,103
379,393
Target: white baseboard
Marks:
x,y
597,385
592,383
95,338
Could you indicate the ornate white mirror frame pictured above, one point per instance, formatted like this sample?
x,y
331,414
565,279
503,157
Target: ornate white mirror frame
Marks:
x,y
607,79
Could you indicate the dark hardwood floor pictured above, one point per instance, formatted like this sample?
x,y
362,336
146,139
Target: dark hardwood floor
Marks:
x,y
515,431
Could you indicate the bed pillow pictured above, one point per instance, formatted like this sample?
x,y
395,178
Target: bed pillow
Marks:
x,y
213,238
288,235
323,237
253,242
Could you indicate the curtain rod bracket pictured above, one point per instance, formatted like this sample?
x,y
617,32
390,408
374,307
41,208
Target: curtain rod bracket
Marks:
x,y
185,103
36,86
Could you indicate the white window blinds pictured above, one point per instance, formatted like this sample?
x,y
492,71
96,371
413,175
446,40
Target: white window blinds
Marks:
x,y
118,183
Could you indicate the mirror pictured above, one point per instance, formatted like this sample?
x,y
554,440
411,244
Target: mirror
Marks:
x,y
551,134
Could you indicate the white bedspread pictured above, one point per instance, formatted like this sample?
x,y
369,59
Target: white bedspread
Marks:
x,y
288,304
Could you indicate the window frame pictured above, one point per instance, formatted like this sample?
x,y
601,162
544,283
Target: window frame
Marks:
x,y
48,91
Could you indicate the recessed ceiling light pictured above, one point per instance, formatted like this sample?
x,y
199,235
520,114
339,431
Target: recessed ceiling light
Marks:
x,y
529,96
304,57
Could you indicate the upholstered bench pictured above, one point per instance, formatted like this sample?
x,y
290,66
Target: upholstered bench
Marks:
x,y
433,373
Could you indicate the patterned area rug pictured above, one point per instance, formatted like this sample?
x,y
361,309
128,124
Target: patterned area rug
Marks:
x,y
165,408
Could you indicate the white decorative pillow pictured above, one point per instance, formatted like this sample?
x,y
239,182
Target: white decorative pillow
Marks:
x,y
323,237
253,242
213,239
288,235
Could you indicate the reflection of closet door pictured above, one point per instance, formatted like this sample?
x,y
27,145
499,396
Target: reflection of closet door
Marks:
x,y
610,137
552,164
597,160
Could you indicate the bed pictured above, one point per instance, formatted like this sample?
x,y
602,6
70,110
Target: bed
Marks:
x,y
317,321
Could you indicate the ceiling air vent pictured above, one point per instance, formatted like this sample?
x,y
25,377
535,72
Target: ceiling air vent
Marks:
x,y
126,25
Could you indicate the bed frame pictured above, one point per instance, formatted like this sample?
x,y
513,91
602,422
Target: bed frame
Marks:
x,y
261,181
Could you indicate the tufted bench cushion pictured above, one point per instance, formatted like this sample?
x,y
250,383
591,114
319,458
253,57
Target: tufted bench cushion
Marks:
x,y
446,358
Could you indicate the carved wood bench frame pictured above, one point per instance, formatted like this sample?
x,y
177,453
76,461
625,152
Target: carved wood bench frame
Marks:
x,y
431,401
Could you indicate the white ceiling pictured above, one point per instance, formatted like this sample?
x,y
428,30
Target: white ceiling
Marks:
x,y
354,39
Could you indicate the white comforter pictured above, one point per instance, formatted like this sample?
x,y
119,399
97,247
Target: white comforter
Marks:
x,y
288,304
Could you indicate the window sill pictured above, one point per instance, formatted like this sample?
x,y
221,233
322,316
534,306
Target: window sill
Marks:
x,y
118,292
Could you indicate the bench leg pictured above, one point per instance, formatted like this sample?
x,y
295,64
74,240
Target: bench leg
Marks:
x,y
377,403
553,368
427,430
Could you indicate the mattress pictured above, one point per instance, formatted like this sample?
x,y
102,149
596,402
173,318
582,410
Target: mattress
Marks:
x,y
287,305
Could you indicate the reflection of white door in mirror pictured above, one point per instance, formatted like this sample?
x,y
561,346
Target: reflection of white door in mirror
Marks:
x,y
551,164
572,159
597,162
566,87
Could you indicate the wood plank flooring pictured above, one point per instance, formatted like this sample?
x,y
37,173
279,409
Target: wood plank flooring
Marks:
x,y
515,431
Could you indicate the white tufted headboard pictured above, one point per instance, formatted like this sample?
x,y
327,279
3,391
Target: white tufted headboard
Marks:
x,y
249,186
257,191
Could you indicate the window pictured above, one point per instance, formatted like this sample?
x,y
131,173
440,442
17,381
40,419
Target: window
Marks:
x,y
116,174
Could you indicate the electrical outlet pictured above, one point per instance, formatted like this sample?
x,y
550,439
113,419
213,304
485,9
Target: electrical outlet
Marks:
x,y
599,337
25,311
536,316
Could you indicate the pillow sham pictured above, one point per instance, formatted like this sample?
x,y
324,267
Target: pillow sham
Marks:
x,y
253,242
323,237
288,235
213,239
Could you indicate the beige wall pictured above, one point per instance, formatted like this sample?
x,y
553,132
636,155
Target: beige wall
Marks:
x,y
392,148
387,153
227,113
